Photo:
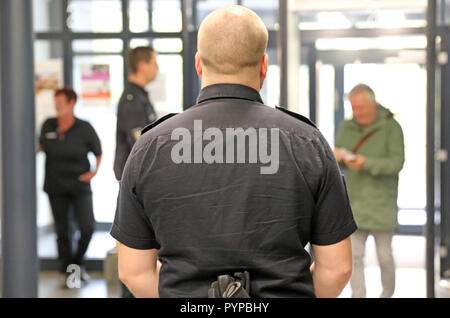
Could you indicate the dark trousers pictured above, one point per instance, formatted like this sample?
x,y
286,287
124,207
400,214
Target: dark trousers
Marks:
x,y
84,217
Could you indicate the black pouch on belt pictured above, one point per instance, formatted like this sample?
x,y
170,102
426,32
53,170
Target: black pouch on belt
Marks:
x,y
226,286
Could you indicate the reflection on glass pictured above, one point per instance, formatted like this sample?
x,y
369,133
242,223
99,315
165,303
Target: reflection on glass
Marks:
x,y
98,46
95,16
47,15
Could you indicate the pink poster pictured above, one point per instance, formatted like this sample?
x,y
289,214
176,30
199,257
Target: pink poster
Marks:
x,y
96,84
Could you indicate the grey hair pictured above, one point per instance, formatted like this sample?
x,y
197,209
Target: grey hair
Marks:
x,y
362,88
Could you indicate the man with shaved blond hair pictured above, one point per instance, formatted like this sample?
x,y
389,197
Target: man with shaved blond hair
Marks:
x,y
232,42
227,194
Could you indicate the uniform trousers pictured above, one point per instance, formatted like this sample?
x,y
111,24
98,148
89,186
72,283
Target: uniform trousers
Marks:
x,y
84,217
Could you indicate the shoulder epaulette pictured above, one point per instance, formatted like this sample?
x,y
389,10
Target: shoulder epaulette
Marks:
x,y
296,115
157,122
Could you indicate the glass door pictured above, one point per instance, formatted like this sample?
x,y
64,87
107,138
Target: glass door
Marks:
x,y
402,89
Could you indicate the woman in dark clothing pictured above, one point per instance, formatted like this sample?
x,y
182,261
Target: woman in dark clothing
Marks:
x,y
66,141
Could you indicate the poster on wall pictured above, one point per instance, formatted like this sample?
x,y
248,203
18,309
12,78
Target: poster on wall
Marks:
x,y
48,76
96,84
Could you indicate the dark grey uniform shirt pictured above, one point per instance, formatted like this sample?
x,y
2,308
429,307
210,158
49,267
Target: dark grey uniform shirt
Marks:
x,y
67,158
209,219
134,113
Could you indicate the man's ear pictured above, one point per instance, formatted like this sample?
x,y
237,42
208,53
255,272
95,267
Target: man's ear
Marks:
x,y
264,66
198,65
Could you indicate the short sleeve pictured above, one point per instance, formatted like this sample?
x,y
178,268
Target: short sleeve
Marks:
x,y
130,117
93,141
332,219
131,226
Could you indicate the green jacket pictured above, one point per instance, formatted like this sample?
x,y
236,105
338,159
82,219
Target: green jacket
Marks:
x,y
373,190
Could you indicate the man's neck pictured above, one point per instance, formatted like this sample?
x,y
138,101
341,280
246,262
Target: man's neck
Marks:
x,y
138,80
231,80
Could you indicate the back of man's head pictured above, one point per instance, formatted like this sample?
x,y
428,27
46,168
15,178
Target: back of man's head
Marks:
x,y
137,55
232,40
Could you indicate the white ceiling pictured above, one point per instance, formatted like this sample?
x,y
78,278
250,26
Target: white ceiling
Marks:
x,y
313,5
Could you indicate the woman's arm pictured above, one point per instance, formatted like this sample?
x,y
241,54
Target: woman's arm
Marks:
x,y
87,176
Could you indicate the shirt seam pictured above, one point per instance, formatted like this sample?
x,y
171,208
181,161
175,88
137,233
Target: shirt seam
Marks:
x,y
342,228
122,232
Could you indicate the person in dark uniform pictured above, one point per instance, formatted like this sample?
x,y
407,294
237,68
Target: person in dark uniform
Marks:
x,y
231,185
135,111
66,141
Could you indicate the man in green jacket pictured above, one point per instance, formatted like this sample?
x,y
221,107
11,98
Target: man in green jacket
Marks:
x,y
370,149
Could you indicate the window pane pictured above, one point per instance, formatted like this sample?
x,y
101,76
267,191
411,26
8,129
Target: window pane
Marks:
x,y
95,16
160,45
408,103
205,7
166,91
139,16
98,46
377,43
168,45
326,102
360,18
165,17
267,10
46,49
48,76
270,91
304,90
47,15
102,116
140,42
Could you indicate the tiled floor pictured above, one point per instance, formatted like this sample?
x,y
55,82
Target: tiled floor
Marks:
x,y
409,254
